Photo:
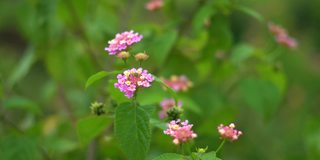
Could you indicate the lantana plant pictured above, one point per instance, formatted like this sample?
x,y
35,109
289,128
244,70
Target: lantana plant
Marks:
x,y
132,120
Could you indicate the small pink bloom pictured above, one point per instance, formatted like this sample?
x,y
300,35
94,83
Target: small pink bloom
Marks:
x,y
178,83
131,79
180,131
166,104
286,41
281,36
229,132
122,41
154,5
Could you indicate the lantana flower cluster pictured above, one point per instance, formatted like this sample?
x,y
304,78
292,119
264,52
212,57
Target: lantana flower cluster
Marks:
x,y
229,132
132,79
281,36
122,41
180,131
166,104
178,83
154,5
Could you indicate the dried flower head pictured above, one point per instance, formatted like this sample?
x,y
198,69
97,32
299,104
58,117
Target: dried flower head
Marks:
x,y
154,5
180,131
281,36
229,132
123,55
166,104
132,79
122,41
178,83
141,56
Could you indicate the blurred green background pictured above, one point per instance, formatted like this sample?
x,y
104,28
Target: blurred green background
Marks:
x,y
49,48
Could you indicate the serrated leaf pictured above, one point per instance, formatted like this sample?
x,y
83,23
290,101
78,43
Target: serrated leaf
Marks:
x,y
150,109
171,156
90,127
132,130
92,79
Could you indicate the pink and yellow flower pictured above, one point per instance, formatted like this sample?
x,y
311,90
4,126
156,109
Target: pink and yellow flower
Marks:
x,y
229,132
132,79
180,131
178,83
122,41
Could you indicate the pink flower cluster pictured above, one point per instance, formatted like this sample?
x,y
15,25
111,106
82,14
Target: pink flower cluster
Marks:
x,y
166,104
180,131
229,132
154,4
122,41
178,83
131,79
282,36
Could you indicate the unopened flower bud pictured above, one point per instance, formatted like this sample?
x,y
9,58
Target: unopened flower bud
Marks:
x,y
174,113
97,108
202,150
141,56
124,55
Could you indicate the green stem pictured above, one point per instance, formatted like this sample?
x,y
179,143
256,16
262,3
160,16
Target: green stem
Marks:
x,y
220,146
181,148
125,61
134,100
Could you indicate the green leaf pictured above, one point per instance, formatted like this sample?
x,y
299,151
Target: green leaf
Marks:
x,y
23,67
92,79
222,38
261,95
90,127
22,103
171,156
132,130
240,53
210,156
205,12
160,47
150,109
251,13
159,124
19,147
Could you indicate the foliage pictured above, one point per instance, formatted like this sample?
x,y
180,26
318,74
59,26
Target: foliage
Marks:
x,y
53,65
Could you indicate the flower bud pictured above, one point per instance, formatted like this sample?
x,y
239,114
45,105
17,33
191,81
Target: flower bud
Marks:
x,y
174,113
202,150
97,108
141,56
124,55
